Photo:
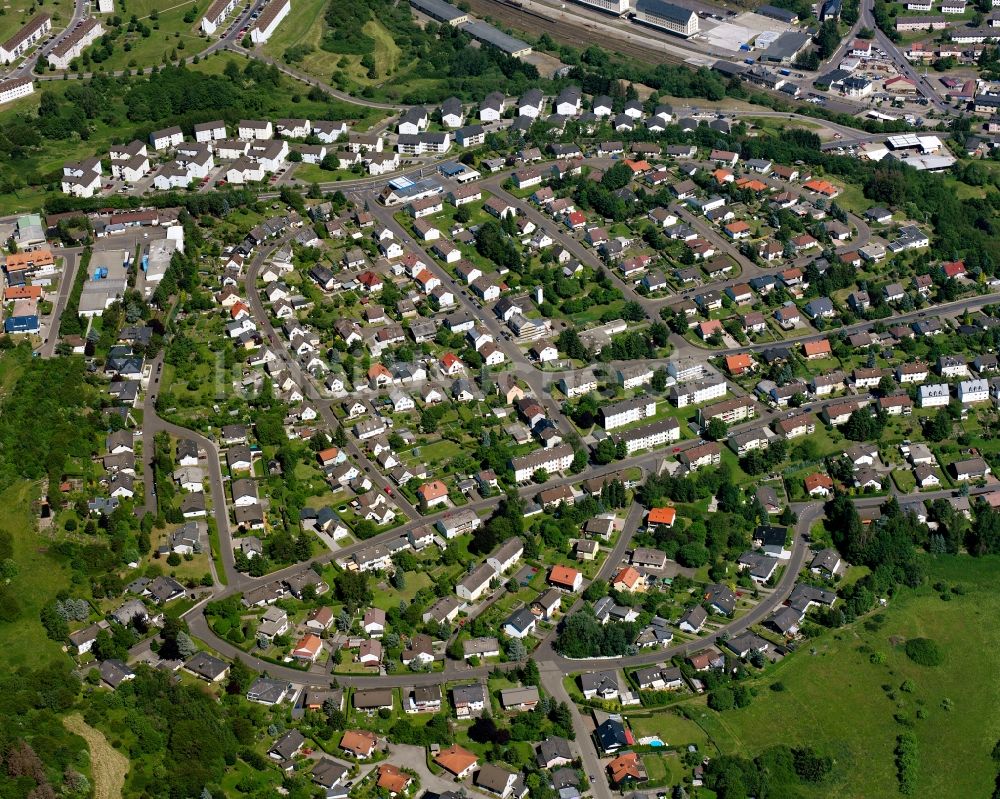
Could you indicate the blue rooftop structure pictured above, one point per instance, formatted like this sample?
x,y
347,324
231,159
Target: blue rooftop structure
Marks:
x,y
21,324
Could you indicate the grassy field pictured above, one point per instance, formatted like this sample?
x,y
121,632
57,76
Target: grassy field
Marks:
x,y
310,29
672,728
846,706
40,577
169,32
109,765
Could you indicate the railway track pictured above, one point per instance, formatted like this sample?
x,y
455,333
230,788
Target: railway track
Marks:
x,y
511,14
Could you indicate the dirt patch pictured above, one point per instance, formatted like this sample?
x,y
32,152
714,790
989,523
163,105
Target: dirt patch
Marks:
x,y
109,765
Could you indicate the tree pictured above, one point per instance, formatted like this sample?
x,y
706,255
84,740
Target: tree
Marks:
x,y
716,429
597,589
887,385
579,461
515,649
938,426
924,651
722,699
185,646
351,588
632,311
659,381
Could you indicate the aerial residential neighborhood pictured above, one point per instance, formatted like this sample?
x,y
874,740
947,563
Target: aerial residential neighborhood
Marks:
x,y
499,399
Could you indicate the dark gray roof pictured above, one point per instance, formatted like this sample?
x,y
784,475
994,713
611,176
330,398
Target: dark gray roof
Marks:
x,y
288,744
666,10
551,748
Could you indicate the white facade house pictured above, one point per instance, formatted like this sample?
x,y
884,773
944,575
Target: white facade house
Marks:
x,y
669,17
556,459
274,12
15,88
27,37
85,34
972,391
697,392
650,436
619,414
166,138
82,178
271,155
255,129
934,395
476,583
245,170
617,7
216,15
208,132
634,376
328,132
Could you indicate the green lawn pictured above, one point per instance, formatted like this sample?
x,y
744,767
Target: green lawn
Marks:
x,y
672,728
40,577
308,30
414,582
837,700
170,33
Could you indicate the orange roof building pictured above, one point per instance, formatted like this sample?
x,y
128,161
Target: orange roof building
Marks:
x,y
739,363
627,767
328,455
392,779
450,362
433,493
664,516
709,328
823,187
308,648
456,760
566,578
753,184
378,373
19,261
638,166
22,293
817,349
818,483
360,743
628,579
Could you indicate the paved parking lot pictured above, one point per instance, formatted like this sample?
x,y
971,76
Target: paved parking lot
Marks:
x,y
729,35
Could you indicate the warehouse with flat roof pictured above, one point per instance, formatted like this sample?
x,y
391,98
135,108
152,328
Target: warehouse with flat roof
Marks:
x,y
494,37
441,11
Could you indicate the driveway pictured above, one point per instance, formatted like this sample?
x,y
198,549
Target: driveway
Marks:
x,y
414,757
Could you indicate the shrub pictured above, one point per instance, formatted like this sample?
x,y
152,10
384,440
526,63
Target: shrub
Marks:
x,y
924,651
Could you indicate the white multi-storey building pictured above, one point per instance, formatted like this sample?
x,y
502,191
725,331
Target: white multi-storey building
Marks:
x,y
216,15
669,17
15,89
971,391
268,21
650,436
697,392
934,395
556,459
73,45
26,38
619,414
